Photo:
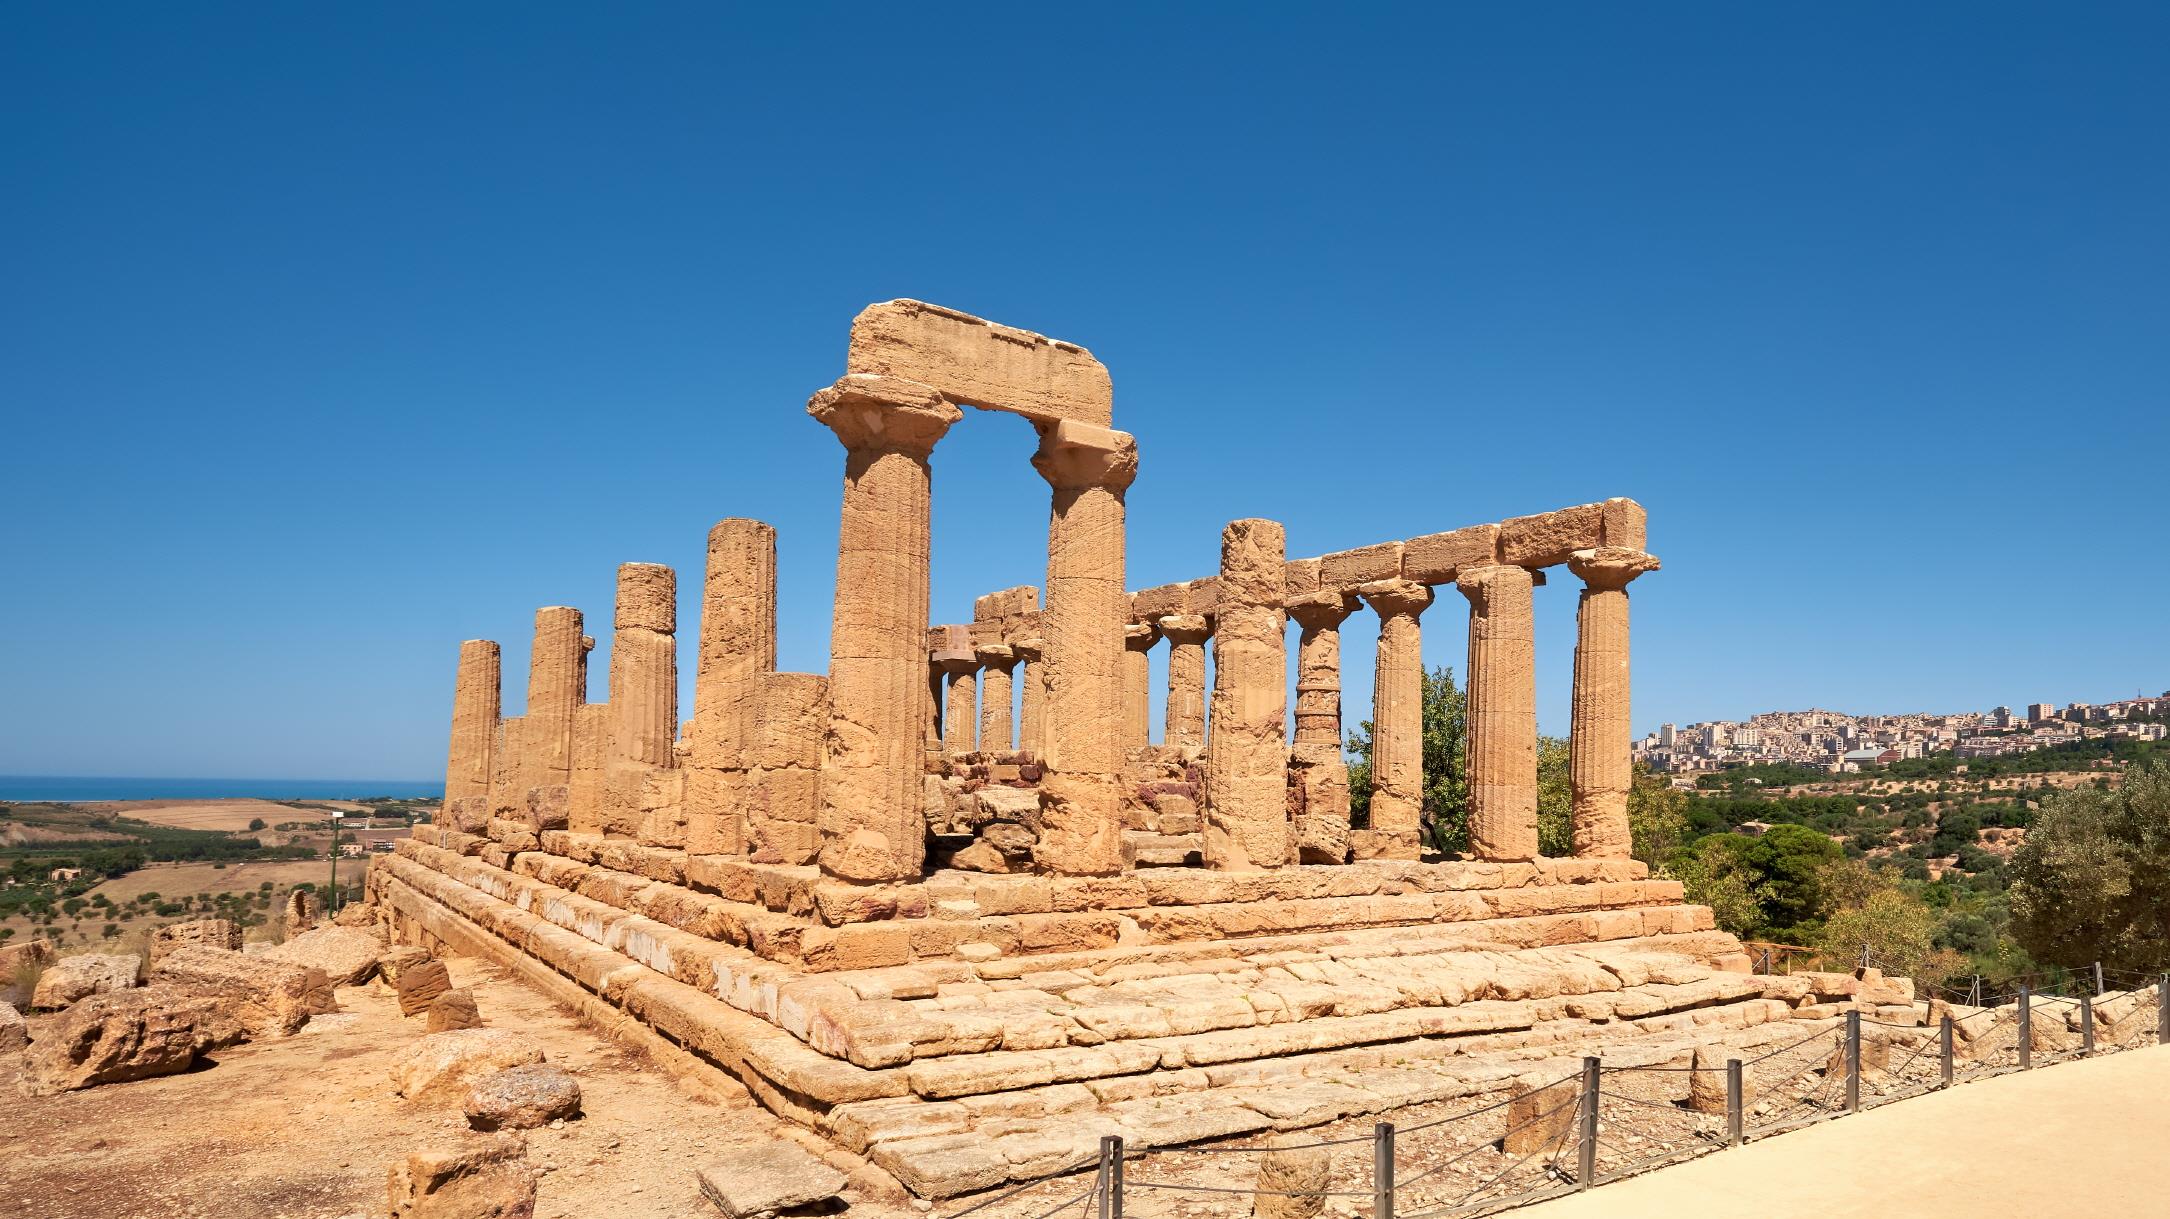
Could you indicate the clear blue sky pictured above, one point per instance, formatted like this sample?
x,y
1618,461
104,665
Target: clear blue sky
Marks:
x,y
330,337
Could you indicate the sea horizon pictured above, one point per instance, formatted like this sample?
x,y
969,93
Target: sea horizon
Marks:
x,y
77,788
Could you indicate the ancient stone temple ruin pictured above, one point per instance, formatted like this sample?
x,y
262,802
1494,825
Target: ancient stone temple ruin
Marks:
x,y
966,943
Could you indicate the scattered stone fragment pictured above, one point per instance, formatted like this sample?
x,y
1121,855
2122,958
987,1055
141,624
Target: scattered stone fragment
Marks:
x,y
1706,1084
454,1009
395,961
1291,1179
14,1034
522,1098
1541,1115
756,1181
347,955
301,912
478,1180
420,984
83,975
441,1062
207,932
124,1035
269,998
30,954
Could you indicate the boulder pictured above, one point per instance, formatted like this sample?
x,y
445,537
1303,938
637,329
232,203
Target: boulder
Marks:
x,y
207,932
522,1098
760,1180
443,1062
347,955
17,958
84,975
419,985
479,1180
269,998
454,1009
1292,1178
14,1034
122,1035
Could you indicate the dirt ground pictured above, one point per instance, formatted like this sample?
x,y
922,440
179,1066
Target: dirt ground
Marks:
x,y
209,814
306,1127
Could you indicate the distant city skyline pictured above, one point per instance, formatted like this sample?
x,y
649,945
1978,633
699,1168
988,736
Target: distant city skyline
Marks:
x,y
314,374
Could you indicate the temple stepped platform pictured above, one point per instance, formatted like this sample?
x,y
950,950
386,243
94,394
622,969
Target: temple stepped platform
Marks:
x,y
971,1029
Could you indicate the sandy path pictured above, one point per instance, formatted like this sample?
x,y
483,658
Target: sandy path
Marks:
x,y
2078,1137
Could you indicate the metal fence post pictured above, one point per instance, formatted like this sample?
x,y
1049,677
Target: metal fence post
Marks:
x,y
2087,1025
1853,1061
1107,1176
1943,1038
1734,1119
2026,1028
2098,978
1382,1171
2162,1010
1586,1152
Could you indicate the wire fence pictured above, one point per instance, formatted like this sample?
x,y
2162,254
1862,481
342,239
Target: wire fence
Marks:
x,y
1602,1123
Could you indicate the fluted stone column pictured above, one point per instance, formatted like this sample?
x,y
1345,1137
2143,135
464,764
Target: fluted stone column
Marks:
x,y
1600,736
476,708
1319,774
1089,469
643,690
996,662
1246,821
1138,640
960,719
1186,709
557,684
872,824
1502,714
737,647
1032,701
1397,723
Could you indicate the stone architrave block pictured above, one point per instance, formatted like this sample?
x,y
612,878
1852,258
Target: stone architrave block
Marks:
x,y
971,360
1349,568
1546,539
1437,558
1625,524
1152,604
1300,578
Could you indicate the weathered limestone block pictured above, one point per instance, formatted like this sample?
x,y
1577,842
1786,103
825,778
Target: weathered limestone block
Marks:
x,y
872,827
1624,524
1541,1115
1247,825
783,790
761,1179
347,956
643,691
1089,469
1502,713
479,1180
454,1009
1138,640
1439,558
14,1033
442,1064
663,808
419,985
302,911
591,751
1397,760
968,359
997,696
1601,762
737,645
522,1098
1344,570
29,954
1547,538
1706,1084
1293,1177
268,998
1185,713
475,713
121,1036
208,932
83,975
548,808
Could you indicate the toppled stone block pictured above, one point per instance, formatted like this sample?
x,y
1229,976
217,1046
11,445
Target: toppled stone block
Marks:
x,y
1292,1179
78,977
1541,1115
420,984
360,915
758,1181
442,1062
454,1009
30,954
124,1035
481,1180
268,998
302,911
346,955
1706,1084
14,1034
397,961
208,932
522,1098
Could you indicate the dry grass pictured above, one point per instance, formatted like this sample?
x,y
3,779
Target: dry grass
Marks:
x,y
205,814
175,879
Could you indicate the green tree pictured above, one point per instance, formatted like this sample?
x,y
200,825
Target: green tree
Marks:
x,y
2092,881
1657,817
1446,790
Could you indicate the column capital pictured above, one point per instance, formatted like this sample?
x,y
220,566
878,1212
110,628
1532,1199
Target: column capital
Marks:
x,y
1030,649
1610,567
1395,598
1185,628
1075,456
1323,610
995,655
884,414
1140,636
